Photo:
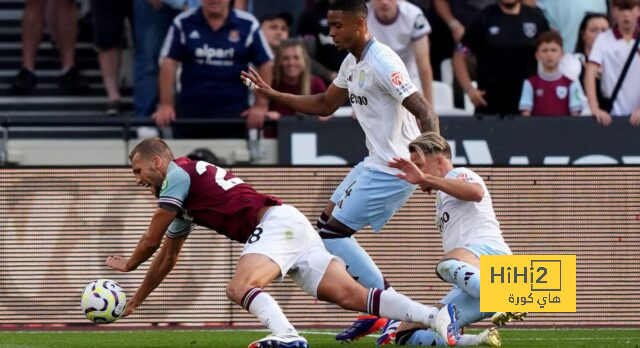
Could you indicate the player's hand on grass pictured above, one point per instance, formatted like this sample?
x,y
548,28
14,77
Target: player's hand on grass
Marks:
x,y
118,263
164,115
255,83
128,309
602,117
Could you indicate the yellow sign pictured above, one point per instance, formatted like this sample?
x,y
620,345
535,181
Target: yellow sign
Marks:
x,y
528,283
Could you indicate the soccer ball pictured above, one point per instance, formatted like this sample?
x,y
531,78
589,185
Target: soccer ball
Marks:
x,y
103,301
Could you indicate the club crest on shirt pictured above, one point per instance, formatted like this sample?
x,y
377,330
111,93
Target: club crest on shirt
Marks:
x,y
494,30
529,29
234,35
361,79
396,79
562,91
165,182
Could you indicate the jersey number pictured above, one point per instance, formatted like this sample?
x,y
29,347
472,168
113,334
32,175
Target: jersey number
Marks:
x,y
201,167
255,236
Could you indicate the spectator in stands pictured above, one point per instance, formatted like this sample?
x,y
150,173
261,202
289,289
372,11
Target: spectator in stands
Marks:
x,y
66,31
152,19
108,33
213,43
549,92
292,74
565,16
314,29
502,36
610,52
275,28
573,65
403,27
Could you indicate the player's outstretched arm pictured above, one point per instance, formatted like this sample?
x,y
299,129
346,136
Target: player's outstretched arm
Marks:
x,y
161,265
423,111
322,104
148,244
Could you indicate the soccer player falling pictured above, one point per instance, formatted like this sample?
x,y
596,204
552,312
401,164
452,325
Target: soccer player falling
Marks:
x,y
279,240
469,228
389,108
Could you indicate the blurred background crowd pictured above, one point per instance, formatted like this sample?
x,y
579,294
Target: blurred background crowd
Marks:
x,y
489,58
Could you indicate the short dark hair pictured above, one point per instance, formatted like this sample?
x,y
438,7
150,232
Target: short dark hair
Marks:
x,y
285,16
625,4
152,147
353,7
549,36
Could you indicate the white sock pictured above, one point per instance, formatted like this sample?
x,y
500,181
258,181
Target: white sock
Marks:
x,y
468,340
393,305
263,306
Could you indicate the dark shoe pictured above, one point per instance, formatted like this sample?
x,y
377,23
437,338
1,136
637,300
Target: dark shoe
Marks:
x,y
73,81
24,82
363,326
113,108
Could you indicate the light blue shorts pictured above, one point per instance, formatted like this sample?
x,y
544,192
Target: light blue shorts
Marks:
x,y
369,197
483,249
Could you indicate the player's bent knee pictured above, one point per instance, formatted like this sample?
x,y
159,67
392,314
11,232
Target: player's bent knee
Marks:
x,y
236,289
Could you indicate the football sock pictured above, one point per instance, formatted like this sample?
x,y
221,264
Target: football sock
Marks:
x,y
392,305
462,274
263,306
359,264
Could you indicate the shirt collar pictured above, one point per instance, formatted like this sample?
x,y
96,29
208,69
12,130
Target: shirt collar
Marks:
x,y
618,34
366,48
232,18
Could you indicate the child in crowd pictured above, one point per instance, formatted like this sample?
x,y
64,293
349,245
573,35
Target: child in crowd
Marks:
x,y
549,92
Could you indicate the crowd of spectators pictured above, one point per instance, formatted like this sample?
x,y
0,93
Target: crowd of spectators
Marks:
x,y
511,57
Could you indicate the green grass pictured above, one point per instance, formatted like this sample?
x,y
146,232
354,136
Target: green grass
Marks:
x,y
610,338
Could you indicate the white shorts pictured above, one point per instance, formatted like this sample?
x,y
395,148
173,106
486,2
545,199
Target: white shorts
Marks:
x,y
287,237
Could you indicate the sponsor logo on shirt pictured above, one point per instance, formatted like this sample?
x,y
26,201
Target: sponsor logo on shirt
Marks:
x,y
214,56
356,99
396,79
494,30
463,177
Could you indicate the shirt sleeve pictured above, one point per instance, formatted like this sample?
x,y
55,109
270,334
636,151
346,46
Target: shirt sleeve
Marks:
x,y
175,187
421,26
575,97
258,46
526,99
391,76
464,174
341,80
174,46
179,228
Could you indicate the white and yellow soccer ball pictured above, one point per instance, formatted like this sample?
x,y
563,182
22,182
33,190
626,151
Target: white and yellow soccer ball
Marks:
x,y
103,301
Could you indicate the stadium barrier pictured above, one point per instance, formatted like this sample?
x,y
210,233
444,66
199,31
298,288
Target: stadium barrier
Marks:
x,y
58,225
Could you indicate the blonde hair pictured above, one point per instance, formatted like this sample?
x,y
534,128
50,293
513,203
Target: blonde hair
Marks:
x,y
305,79
152,147
430,143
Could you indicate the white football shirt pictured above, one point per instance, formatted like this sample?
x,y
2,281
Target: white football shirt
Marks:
x,y
377,85
464,223
409,25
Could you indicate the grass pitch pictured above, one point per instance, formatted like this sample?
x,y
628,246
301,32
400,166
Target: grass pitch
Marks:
x,y
610,338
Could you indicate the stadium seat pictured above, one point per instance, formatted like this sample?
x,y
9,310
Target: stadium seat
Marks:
x,y
443,101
